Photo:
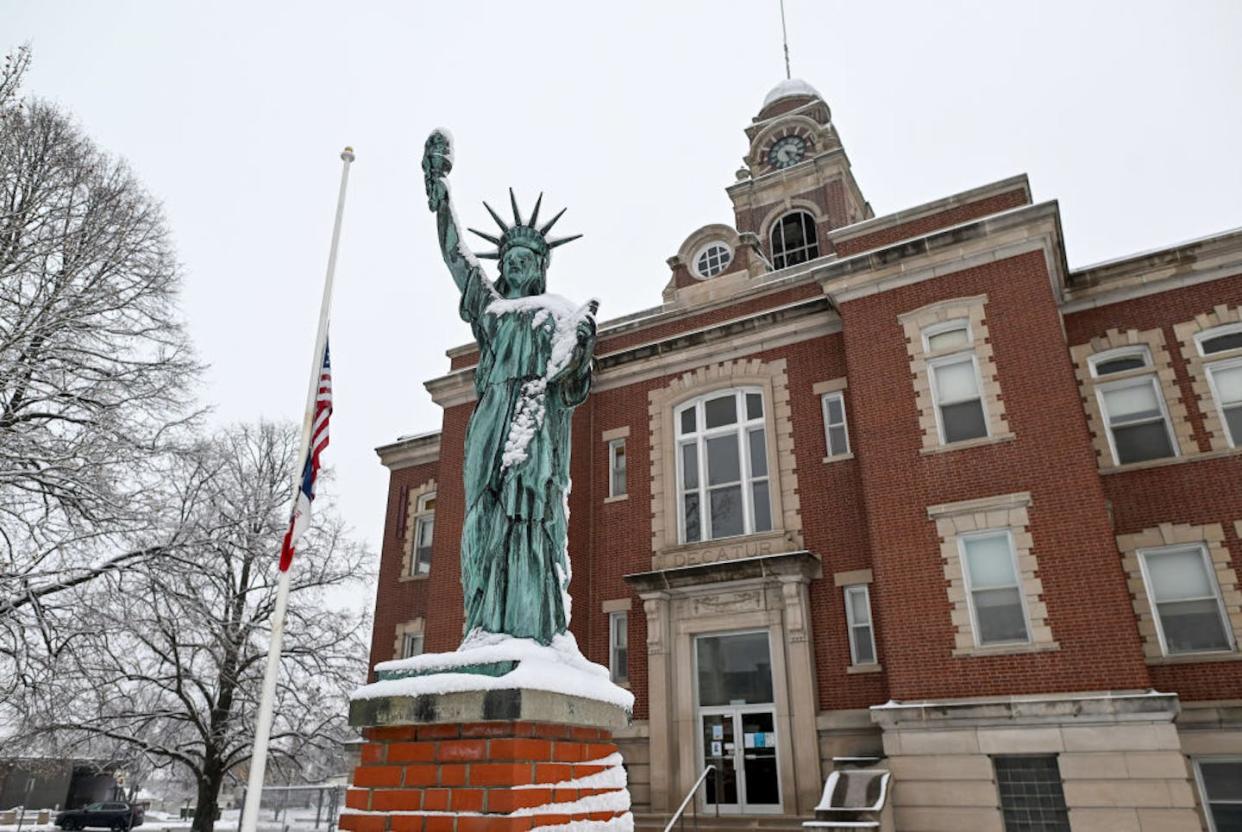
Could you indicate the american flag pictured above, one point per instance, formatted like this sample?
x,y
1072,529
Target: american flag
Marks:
x,y
300,520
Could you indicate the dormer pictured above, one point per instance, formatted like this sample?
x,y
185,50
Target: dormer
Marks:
x,y
796,184
713,262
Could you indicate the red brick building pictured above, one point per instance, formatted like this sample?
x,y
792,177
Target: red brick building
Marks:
x,y
901,486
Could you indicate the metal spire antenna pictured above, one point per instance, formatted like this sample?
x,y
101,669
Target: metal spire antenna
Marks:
x,y
785,41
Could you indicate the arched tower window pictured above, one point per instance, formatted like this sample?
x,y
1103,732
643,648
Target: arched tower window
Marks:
x,y
793,239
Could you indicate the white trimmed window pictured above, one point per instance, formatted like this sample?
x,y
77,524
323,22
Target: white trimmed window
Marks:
x,y
959,404
794,239
1225,377
836,435
424,530
858,617
712,259
619,647
1133,407
1220,784
411,645
989,566
616,468
722,466
1220,339
1181,586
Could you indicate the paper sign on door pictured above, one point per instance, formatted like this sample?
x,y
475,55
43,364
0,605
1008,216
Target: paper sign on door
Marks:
x,y
716,750
748,740
717,732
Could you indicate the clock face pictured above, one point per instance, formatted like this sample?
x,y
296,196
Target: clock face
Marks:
x,y
788,151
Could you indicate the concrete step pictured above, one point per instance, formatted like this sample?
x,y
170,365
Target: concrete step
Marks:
x,y
655,822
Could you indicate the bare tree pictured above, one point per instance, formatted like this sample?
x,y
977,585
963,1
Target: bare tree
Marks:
x,y
95,369
172,668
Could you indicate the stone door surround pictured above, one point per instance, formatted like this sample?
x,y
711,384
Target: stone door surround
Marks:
x,y
760,593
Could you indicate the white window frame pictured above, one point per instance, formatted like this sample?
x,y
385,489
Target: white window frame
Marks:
x,y
613,446
406,639
1208,566
1210,369
741,428
618,675
865,591
947,326
1204,801
970,592
1215,332
1134,381
957,358
705,274
1139,350
844,424
811,248
422,515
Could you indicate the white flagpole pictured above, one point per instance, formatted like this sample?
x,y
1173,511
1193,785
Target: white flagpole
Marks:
x,y
263,724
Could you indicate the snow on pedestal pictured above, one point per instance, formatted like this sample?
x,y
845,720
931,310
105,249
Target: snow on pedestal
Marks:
x,y
452,751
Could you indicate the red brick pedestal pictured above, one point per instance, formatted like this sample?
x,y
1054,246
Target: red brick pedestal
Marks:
x,y
529,767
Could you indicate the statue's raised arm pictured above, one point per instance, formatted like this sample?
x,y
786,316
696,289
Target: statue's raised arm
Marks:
x,y
437,162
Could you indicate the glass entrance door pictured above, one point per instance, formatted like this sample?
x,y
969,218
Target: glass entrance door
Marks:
x,y
737,724
741,744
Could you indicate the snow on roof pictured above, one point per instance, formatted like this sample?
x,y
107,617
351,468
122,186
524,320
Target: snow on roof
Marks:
x,y
788,89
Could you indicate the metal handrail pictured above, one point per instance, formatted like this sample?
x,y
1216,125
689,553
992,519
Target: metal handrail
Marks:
x,y
689,796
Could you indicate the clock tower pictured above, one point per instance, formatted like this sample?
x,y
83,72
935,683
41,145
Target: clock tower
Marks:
x,y
796,184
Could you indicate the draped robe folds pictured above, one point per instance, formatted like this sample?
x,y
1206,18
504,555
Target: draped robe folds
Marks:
x,y
514,560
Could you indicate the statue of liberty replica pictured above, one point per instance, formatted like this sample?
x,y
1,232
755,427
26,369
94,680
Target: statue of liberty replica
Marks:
x,y
518,673
535,353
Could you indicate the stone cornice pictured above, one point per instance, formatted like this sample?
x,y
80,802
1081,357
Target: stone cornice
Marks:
x,y
411,450
1149,272
945,251
801,565
1108,707
813,170
927,209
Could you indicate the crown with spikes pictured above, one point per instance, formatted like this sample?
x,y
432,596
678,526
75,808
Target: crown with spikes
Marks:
x,y
523,233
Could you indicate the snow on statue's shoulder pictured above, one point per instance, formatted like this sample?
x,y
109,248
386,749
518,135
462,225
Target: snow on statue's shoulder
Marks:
x,y
788,89
558,668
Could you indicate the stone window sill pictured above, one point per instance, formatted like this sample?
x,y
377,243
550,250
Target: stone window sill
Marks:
x,y
1197,658
969,443
1005,650
839,457
405,578
864,668
617,498
1169,460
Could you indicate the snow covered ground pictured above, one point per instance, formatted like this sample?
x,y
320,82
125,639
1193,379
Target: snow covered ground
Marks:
x,y
294,820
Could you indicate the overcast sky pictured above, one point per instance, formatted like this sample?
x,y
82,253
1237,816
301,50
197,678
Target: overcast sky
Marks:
x,y
233,114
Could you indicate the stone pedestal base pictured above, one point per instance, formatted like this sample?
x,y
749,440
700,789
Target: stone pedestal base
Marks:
x,y
495,760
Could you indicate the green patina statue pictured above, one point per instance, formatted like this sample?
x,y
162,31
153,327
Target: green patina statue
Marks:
x,y
535,353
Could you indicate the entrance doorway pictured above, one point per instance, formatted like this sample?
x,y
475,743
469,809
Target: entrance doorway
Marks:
x,y
737,723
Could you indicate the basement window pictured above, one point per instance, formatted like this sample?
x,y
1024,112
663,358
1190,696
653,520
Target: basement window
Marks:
x,y
1031,796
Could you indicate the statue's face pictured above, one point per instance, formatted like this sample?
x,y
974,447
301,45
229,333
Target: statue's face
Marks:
x,y
523,270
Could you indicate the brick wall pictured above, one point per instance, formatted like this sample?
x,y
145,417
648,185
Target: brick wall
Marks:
x,y
1194,492
398,601
870,512
1050,456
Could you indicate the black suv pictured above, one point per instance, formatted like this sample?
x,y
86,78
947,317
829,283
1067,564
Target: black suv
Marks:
x,y
115,816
